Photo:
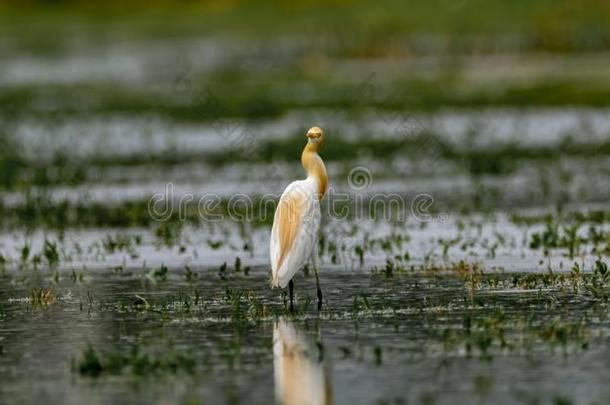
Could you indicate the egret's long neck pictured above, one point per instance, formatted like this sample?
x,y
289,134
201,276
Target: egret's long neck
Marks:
x,y
314,166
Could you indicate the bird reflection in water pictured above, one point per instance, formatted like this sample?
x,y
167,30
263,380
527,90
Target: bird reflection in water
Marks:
x,y
301,376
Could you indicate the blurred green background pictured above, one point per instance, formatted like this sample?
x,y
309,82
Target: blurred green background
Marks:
x,y
107,101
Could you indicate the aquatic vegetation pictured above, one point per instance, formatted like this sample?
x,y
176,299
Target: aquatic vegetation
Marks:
x,y
41,297
24,253
215,244
360,304
50,253
222,271
40,211
500,333
244,307
358,250
566,236
121,243
411,320
168,233
388,270
238,267
561,334
138,362
158,274
598,284
189,275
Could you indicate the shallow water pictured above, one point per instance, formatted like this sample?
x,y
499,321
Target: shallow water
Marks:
x,y
439,239
187,328
412,338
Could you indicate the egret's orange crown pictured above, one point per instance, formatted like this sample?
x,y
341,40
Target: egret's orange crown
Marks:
x,y
314,133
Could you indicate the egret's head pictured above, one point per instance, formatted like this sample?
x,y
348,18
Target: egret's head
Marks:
x,y
314,137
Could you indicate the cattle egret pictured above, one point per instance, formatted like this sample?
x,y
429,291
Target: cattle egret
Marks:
x,y
294,235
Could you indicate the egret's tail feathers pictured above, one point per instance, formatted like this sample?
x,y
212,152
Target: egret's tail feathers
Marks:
x,y
274,282
279,281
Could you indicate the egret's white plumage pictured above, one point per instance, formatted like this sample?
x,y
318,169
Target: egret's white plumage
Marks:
x,y
295,230
294,235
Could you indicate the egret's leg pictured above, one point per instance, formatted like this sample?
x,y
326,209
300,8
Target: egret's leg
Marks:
x,y
291,289
319,290
314,263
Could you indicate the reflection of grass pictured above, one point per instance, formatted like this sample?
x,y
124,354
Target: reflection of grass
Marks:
x,y
501,332
93,363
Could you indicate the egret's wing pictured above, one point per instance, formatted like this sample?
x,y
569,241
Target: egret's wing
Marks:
x,y
294,225
288,216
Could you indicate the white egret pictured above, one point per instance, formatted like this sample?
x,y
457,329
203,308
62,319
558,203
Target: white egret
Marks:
x,y
294,236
